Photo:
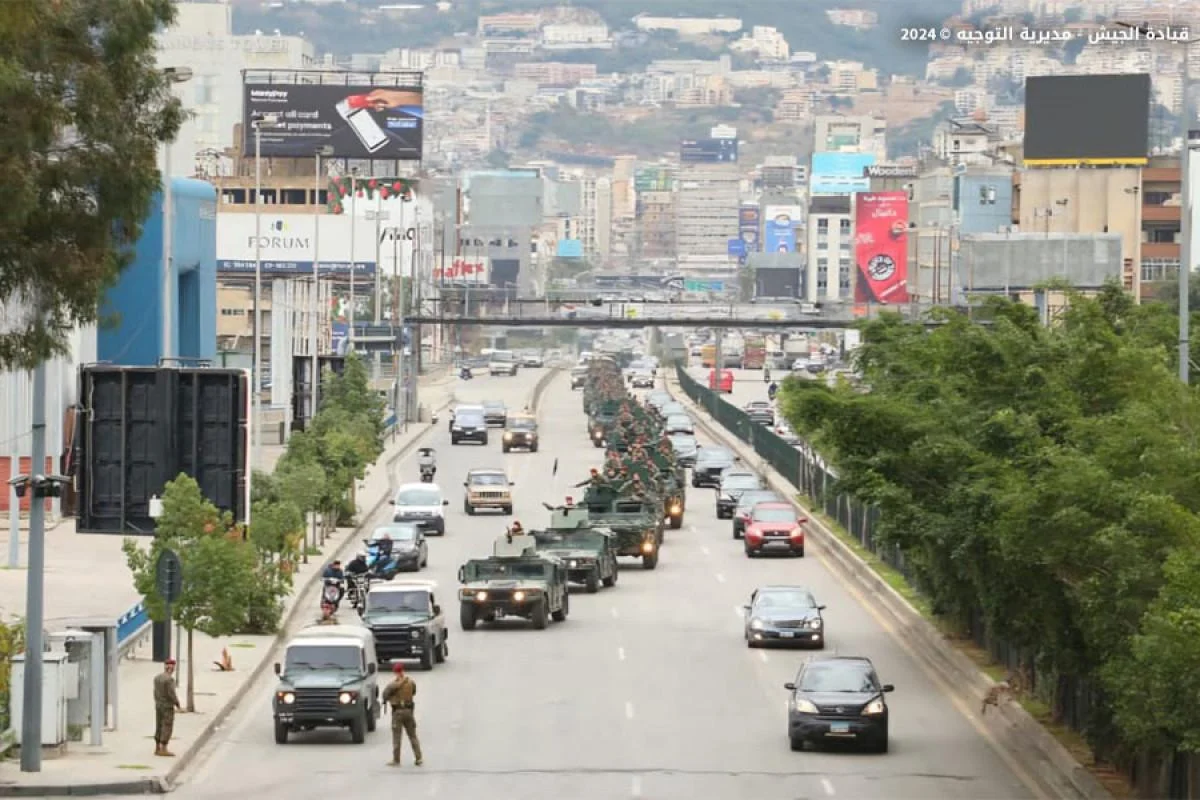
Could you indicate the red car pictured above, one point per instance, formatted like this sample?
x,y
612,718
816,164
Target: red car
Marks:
x,y
774,528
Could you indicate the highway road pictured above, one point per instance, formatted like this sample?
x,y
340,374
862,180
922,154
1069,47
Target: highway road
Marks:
x,y
647,690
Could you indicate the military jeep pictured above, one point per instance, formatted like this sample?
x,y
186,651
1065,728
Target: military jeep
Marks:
x,y
407,623
327,680
589,553
516,581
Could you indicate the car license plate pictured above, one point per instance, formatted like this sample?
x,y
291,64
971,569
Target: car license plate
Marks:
x,y
787,635
839,727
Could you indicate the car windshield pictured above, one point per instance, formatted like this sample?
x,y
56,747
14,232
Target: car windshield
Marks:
x,y
707,454
774,515
418,497
759,404
683,442
834,677
398,602
323,656
469,418
574,541
522,424
679,420
489,479
785,598
498,569
748,500
397,533
493,406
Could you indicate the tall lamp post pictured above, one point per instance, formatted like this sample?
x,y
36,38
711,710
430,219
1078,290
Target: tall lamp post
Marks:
x,y
167,348
261,122
325,151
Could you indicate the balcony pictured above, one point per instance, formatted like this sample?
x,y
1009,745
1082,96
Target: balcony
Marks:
x,y
1160,214
1160,250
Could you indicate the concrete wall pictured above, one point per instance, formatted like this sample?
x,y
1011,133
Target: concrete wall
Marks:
x,y
1021,262
984,202
130,332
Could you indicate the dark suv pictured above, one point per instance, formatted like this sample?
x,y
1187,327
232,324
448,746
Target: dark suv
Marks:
x,y
469,426
838,699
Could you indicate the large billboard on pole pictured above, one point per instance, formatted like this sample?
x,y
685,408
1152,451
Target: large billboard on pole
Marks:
x,y
881,247
384,123
779,228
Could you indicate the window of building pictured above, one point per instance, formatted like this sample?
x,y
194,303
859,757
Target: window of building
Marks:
x,y
822,277
844,227
823,225
1161,236
1156,198
1160,269
822,245
823,264
844,275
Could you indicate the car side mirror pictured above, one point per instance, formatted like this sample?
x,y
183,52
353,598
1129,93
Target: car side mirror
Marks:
x,y
436,609
462,575
512,483
278,668
371,668
445,502
887,687
464,483
746,607
392,502
791,687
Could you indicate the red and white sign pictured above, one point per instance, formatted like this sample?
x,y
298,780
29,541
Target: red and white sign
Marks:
x,y
463,270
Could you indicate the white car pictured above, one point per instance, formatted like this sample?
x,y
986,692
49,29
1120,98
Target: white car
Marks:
x,y
423,505
503,362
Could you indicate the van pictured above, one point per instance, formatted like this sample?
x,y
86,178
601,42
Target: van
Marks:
x,y
327,680
726,384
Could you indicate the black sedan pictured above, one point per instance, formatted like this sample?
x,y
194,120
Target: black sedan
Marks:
x,y
733,483
710,463
784,615
838,699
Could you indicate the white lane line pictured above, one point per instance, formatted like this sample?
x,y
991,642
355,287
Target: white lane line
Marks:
x,y
614,612
628,710
635,788
620,654
762,656
720,578
706,551
827,786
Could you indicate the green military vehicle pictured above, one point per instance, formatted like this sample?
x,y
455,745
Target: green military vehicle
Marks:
x,y
327,680
600,420
637,523
590,553
516,581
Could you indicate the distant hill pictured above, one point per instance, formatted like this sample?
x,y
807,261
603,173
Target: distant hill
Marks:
x,y
337,28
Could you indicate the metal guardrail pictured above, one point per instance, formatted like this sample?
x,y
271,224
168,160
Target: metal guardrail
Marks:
x,y
132,629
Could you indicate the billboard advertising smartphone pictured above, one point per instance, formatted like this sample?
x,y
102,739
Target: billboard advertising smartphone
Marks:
x,y
367,122
881,247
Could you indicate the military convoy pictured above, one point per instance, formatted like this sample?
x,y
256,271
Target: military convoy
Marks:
x,y
590,552
515,581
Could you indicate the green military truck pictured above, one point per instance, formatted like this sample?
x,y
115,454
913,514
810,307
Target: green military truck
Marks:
x,y
590,553
327,680
637,522
516,581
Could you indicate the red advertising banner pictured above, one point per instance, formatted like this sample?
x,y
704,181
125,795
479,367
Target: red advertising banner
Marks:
x,y
881,247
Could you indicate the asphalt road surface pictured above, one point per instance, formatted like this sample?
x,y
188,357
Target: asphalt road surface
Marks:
x,y
647,690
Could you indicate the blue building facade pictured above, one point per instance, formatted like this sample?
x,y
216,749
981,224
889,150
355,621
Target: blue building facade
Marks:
x,y
983,201
131,333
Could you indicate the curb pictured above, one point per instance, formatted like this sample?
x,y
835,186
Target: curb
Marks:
x,y
1018,733
153,785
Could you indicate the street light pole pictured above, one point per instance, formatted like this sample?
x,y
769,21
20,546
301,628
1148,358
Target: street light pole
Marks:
x,y
168,295
353,228
268,120
315,378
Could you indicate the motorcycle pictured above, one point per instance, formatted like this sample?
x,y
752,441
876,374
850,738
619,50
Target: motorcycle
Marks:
x,y
772,391
427,463
357,587
380,566
331,593
465,374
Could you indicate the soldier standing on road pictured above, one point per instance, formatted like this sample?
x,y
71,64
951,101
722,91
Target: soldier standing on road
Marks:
x,y
399,695
166,703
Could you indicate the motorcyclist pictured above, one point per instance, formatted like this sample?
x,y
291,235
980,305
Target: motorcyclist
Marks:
x,y
427,462
766,374
772,390
357,565
464,373
384,544
334,573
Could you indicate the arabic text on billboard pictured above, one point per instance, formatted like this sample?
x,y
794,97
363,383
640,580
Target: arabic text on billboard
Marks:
x,y
368,122
881,247
708,151
840,173
779,228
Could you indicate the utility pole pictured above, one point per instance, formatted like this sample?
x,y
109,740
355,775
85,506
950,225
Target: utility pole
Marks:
x,y
31,710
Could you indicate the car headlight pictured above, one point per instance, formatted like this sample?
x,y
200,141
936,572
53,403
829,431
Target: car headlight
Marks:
x,y
287,698
572,564
803,706
508,437
874,707
647,547
415,634
346,698
757,624
676,509
481,596
518,596
815,624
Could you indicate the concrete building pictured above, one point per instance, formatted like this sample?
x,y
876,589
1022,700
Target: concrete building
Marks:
x,y
202,39
501,209
596,220
505,25
782,172
706,209
688,26
1017,264
656,225
554,73
624,195
965,142
829,267
835,133
576,36
766,42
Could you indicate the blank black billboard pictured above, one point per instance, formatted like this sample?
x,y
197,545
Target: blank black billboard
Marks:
x,y
1087,119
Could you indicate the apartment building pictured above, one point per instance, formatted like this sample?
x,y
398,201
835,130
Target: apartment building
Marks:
x,y
688,26
766,42
576,36
795,105
706,209
655,225
835,133
829,268
554,73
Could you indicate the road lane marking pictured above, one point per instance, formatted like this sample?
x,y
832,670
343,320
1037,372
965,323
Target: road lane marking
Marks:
x,y
620,654
628,710
943,686
762,656
635,788
614,612
720,578
827,786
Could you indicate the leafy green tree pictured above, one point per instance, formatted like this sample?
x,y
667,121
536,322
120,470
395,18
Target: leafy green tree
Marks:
x,y
305,485
87,111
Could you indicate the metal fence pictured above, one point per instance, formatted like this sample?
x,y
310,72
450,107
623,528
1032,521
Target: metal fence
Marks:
x,y
1073,700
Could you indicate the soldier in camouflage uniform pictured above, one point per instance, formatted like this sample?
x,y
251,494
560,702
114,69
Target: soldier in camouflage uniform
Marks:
x,y
166,703
399,696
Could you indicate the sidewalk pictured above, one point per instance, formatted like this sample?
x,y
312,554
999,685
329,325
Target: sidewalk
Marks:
x,y
124,764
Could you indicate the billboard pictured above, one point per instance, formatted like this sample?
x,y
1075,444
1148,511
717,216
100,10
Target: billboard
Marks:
x,y
779,228
652,179
285,244
1072,120
881,247
708,151
840,173
369,122
750,227
568,248
474,271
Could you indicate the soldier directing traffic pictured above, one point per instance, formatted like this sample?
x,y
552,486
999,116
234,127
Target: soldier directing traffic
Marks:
x,y
166,703
399,695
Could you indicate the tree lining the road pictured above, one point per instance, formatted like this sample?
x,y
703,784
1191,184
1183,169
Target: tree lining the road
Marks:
x,y
1046,479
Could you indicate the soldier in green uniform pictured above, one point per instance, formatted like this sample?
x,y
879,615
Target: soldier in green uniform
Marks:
x,y
166,703
399,696
595,479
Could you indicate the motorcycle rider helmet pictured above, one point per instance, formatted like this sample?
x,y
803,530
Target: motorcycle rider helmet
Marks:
x,y
386,536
